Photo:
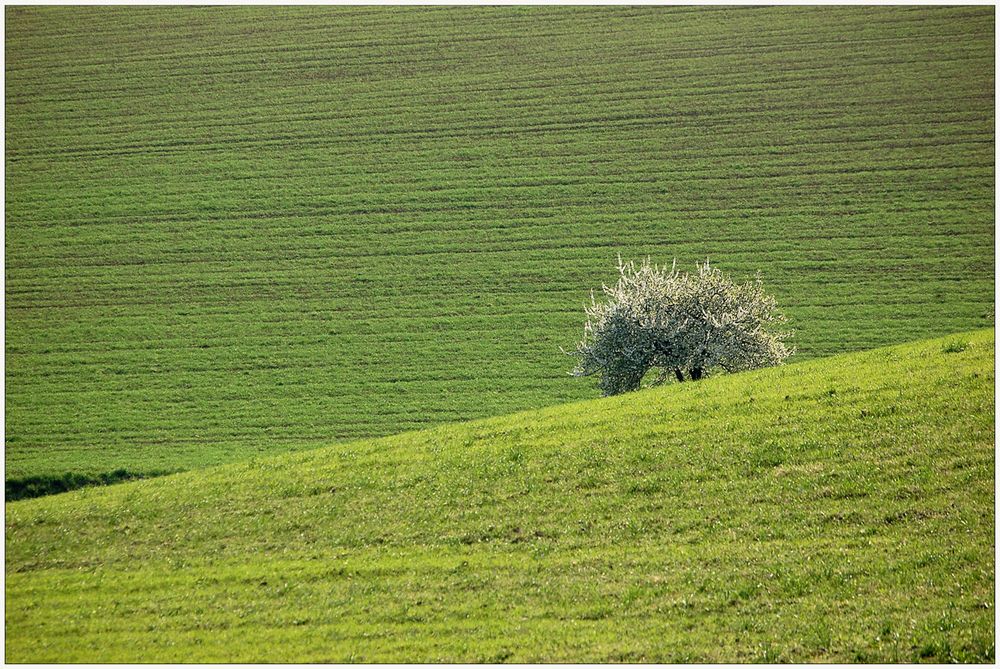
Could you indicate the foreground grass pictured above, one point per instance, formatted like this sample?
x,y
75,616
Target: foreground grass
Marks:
x,y
241,230
836,510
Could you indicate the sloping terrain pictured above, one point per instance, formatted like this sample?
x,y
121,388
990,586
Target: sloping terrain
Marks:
x,y
242,230
836,510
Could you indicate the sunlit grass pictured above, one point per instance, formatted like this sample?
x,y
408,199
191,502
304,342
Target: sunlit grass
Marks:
x,y
834,510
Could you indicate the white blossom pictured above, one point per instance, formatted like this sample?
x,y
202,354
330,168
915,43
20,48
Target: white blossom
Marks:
x,y
685,325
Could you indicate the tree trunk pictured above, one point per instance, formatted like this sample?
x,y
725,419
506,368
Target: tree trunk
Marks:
x,y
679,374
695,373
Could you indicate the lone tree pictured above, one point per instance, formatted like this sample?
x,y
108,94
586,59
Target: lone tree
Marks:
x,y
684,325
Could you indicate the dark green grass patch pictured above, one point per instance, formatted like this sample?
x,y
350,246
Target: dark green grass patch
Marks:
x,y
955,346
39,486
837,510
234,231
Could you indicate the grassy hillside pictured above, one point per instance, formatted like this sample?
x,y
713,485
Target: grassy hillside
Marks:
x,y
239,230
834,510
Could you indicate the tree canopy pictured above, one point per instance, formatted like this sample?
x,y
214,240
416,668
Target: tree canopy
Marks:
x,y
685,325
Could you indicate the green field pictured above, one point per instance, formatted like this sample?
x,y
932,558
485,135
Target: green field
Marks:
x,y
832,510
234,231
